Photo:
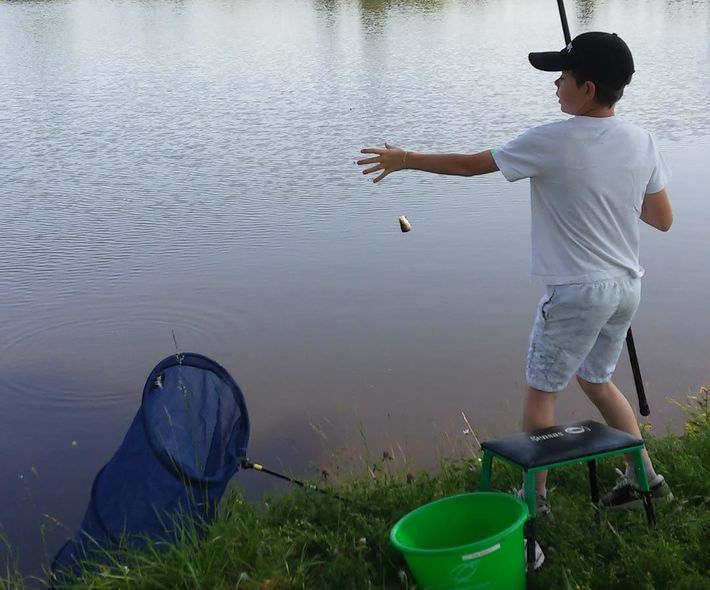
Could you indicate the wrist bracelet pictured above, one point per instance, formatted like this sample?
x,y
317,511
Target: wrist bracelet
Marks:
x,y
404,159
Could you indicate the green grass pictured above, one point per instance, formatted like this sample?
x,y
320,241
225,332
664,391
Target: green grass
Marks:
x,y
308,540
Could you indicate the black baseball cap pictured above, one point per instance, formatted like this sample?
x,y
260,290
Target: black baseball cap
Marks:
x,y
604,57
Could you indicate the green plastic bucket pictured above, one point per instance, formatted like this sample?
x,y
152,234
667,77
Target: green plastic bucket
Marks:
x,y
466,542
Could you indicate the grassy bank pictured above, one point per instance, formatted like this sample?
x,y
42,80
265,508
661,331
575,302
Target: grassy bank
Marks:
x,y
307,540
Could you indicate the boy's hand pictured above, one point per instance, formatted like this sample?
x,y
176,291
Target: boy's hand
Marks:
x,y
390,159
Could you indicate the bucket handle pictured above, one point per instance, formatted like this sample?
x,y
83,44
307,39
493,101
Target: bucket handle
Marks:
x,y
482,553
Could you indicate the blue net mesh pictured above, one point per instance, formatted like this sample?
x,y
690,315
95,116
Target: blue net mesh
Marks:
x,y
183,446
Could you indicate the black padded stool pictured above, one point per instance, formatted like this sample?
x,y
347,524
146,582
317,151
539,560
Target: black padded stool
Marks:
x,y
541,450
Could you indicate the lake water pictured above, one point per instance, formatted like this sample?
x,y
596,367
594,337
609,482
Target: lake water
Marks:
x,y
183,172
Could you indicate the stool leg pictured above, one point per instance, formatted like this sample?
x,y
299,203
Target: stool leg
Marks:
x,y
530,493
530,553
645,488
486,471
594,486
531,501
648,506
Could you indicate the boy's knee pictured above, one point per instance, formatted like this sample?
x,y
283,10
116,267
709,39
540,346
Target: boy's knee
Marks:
x,y
541,396
583,383
591,389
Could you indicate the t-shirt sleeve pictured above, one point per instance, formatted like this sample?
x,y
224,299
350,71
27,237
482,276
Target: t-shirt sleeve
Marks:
x,y
661,173
520,157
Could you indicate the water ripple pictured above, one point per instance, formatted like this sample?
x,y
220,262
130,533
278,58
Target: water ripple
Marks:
x,y
62,376
187,167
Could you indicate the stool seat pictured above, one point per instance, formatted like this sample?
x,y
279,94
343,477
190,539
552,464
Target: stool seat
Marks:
x,y
561,444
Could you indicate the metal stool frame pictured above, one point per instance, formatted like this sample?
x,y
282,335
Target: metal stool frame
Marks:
x,y
591,460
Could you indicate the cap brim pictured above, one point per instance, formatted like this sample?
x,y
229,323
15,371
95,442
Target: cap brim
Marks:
x,y
550,61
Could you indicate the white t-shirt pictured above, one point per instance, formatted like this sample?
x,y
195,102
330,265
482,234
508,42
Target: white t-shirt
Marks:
x,y
588,177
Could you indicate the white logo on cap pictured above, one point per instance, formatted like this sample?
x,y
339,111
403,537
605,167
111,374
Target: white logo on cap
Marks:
x,y
569,48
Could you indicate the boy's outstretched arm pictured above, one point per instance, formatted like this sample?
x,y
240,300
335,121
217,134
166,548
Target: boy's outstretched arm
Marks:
x,y
391,159
656,210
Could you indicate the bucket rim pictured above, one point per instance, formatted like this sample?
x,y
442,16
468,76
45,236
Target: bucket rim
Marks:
x,y
475,546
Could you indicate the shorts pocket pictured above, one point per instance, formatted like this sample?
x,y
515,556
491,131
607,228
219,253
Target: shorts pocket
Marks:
x,y
544,308
546,369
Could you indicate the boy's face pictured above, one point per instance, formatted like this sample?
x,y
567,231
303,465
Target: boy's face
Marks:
x,y
573,99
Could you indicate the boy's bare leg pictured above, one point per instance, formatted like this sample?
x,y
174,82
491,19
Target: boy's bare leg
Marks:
x,y
539,412
617,413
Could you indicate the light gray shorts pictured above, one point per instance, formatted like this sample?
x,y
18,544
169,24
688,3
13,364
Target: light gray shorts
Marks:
x,y
580,329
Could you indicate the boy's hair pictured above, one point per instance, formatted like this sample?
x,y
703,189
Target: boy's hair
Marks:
x,y
606,94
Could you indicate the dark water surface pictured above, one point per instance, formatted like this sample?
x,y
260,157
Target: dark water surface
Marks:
x,y
186,167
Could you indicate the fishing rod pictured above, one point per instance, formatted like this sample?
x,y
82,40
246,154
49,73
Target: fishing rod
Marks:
x,y
643,402
563,18
635,369
247,464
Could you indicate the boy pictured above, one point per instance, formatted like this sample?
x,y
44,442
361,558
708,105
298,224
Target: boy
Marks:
x,y
591,178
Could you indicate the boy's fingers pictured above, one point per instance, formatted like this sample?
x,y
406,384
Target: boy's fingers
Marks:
x,y
371,151
373,169
380,177
369,160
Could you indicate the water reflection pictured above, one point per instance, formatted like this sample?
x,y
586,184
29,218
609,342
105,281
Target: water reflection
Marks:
x,y
585,11
186,167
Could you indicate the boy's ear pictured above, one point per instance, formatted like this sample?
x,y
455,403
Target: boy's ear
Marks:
x,y
590,89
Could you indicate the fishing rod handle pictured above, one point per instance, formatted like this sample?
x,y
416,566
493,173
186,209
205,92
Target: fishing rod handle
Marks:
x,y
636,370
